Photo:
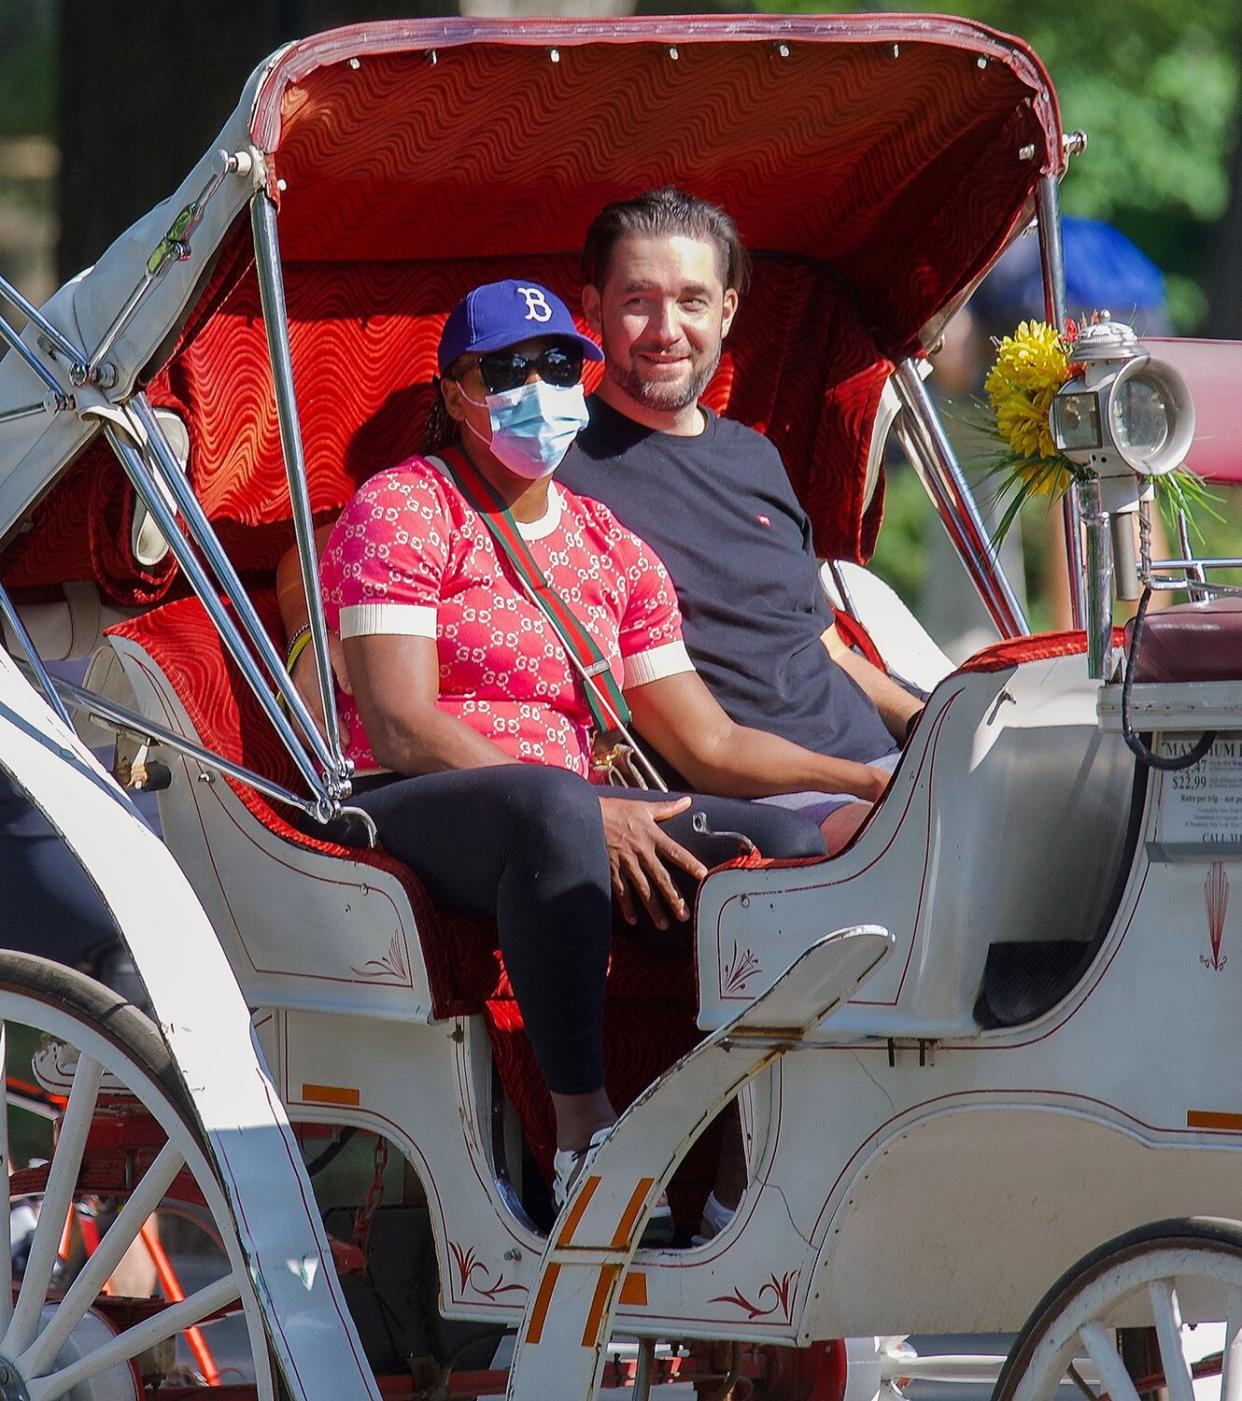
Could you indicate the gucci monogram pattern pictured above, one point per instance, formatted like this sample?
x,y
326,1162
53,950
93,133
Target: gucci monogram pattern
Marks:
x,y
410,556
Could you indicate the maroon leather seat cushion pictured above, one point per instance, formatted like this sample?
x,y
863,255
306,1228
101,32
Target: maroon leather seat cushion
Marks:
x,y
1191,642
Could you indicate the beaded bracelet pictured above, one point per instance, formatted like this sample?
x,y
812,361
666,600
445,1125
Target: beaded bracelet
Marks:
x,y
297,645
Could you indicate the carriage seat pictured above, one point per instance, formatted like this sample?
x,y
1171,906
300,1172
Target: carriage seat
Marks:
x,y
1191,642
242,858
309,924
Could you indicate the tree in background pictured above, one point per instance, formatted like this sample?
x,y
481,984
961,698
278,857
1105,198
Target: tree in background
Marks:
x,y
1155,86
27,152
144,89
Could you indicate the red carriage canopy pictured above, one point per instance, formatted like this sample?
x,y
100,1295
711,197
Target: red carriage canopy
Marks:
x,y
876,165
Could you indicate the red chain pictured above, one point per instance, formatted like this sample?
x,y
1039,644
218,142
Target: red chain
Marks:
x,y
374,1198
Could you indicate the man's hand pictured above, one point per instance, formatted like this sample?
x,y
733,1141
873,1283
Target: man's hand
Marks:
x,y
640,855
897,707
306,683
877,785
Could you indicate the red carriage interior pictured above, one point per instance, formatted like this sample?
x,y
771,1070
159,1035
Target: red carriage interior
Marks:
x,y
875,167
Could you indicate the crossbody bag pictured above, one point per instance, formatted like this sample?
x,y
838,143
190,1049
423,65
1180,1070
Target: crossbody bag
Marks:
x,y
617,753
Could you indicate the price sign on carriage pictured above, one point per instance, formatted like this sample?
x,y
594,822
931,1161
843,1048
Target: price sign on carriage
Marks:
x,y
1201,807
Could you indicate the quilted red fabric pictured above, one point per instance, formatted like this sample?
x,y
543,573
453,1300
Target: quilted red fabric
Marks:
x,y
898,149
875,165
363,339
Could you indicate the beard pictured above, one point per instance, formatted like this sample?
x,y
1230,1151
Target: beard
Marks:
x,y
655,394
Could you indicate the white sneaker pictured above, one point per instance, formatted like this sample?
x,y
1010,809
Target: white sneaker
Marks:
x,y
715,1218
568,1165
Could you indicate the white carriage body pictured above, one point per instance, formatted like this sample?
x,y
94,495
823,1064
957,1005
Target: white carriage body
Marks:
x,y
919,1160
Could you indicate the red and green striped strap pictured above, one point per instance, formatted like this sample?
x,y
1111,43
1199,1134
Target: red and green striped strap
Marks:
x,y
603,696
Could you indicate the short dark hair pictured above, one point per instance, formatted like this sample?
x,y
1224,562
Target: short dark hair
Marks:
x,y
664,213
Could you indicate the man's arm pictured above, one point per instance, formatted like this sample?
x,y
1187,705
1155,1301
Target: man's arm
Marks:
x,y
896,705
681,719
290,597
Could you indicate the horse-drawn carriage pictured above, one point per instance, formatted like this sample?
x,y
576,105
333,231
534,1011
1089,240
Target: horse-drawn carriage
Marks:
x,y
985,1047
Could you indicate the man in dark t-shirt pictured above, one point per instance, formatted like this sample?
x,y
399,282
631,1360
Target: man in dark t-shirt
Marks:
x,y
663,273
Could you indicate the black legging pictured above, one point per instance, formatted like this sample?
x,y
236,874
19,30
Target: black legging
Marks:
x,y
48,905
525,843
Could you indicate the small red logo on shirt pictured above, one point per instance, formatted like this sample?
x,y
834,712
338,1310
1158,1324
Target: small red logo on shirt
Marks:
x,y
763,520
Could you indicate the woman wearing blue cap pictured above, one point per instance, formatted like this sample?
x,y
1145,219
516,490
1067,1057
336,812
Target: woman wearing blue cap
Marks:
x,y
495,628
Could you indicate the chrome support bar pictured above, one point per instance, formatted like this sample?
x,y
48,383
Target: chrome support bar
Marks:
x,y
276,321
119,322
30,411
1052,263
1071,521
120,717
1051,252
46,684
843,589
136,469
1190,563
10,294
1161,583
1193,567
1099,575
933,457
201,533
61,397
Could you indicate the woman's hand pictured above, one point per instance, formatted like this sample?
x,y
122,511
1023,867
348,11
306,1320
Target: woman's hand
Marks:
x,y
640,855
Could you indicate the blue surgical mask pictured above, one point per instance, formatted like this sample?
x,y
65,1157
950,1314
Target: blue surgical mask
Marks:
x,y
533,426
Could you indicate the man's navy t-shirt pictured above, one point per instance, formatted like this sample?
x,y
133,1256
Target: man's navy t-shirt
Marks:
x,y
720,512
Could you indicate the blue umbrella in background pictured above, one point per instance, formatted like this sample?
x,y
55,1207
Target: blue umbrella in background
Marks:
x,y
1104,270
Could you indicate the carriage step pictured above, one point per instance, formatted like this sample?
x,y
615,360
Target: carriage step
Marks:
x,y
562,1344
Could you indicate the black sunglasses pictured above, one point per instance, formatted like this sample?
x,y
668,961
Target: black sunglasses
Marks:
x,y
560,365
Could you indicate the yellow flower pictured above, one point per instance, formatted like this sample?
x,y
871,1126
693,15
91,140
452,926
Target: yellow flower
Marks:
x,y
1023,423
1045,479
1031,365
1033,358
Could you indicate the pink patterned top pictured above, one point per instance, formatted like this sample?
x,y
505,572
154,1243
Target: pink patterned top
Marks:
x,y
409,555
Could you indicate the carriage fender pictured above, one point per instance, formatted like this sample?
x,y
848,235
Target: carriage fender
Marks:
x,y
204,1018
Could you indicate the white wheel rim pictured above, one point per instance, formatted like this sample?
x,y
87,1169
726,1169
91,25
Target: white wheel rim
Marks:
x,y
1158,1277
35,1328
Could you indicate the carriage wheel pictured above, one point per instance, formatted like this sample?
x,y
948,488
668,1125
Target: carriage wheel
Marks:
x,y
62,1329
1154,1277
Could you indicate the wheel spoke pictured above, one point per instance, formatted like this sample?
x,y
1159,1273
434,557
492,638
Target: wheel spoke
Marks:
x,y
138,1339
1077,1378
1167,1313
1231,1361
61,1180
6,1167
1102,1350
148,1194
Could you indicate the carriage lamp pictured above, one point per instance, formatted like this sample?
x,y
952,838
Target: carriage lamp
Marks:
x,y
1127,417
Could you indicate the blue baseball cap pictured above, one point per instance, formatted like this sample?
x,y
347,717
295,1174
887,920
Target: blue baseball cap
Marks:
x,y
499,314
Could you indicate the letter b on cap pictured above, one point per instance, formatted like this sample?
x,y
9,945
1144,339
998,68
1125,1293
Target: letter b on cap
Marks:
x,y
537,308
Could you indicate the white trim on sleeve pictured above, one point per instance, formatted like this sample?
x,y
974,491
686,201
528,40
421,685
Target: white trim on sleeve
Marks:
x,y
403,619
668,659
